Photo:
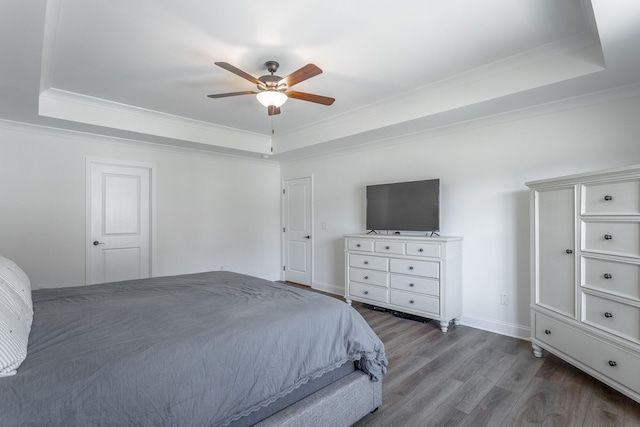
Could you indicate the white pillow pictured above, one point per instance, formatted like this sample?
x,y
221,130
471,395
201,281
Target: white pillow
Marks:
x,y
16,316
16,279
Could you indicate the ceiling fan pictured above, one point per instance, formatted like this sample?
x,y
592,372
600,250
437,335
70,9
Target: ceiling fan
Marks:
x,y
273,91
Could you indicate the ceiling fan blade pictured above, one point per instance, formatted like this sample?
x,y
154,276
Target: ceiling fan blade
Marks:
x,y
238,72
272,110
302,74
224,95
318,99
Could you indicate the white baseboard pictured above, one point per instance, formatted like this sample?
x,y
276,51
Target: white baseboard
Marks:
x,y
329,288
499,327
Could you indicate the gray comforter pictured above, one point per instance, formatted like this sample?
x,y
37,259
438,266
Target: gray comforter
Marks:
x,y
193,350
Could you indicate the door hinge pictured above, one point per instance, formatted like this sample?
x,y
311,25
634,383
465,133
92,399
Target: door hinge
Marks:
x,y
284,268
283,230
283,191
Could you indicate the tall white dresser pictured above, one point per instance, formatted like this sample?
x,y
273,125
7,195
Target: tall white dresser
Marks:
x,y
585,284
410,274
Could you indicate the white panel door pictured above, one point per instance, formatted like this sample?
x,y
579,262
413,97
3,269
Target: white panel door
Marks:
x,y
119,244
297,230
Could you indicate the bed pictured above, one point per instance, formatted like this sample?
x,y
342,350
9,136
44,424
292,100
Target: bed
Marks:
x,y
210,349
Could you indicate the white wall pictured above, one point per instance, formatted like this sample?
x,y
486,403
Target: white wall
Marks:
x,y
483,195
212,210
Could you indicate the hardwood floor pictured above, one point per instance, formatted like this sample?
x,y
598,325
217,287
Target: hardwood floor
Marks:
x,y
469,377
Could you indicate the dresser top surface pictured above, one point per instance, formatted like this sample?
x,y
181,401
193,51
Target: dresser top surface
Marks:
x,y
404,237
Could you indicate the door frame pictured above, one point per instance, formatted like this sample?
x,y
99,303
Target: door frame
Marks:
x,y
283,242
152,209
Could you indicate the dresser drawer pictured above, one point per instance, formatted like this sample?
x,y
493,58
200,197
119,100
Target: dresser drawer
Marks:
x,y
396,248
611,198
369,292
612,316
423,249
416,302
369,262
620,278
606,358
416,268
360,245
415,284
369,276
612,237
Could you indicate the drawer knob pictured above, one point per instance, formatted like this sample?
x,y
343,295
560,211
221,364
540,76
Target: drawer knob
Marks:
x,y
608,315
569,251
387,247
358,245
366,292
410,301
612,363
366,262
420,250
608,276
366,277
547,331
411,285
410,267
608,237
608,198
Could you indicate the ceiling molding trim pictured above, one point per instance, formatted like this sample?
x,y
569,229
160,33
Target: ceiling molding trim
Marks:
x,y
81,108
394,135
68,134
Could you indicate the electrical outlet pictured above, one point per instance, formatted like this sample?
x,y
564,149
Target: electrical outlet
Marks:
x,y
504,299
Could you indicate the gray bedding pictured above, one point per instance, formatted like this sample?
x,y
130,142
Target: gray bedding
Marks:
x,y
201,350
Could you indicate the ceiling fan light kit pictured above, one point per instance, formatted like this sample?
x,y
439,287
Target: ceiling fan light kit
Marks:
x,y
272,97
273,91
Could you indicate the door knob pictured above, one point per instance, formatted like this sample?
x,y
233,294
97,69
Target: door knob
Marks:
x,y
96,243
307,237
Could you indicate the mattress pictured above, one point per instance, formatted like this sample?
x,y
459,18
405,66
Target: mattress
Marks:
x,y
200,349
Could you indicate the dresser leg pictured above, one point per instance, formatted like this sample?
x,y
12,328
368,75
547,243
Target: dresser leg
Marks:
x,y
348,301
537,350
456,320
444,325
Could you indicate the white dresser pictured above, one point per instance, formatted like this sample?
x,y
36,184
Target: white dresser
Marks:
x,y
585,285
414,275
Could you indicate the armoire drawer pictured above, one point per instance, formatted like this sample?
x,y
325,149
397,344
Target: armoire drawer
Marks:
x,y
611,237
369,262
611,198
620,319
608,359
415,284
370,292
616,277
360,245
424,303
416,268
373,277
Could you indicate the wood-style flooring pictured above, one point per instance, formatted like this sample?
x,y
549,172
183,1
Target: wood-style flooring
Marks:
x,y
469,377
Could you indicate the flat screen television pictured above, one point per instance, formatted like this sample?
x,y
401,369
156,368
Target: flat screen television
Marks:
x,y
404,206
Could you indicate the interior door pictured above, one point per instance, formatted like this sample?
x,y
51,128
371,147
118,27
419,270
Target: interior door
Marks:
x,y
297,231
119,239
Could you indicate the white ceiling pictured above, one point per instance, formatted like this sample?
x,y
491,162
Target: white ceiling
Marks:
x,y
142,69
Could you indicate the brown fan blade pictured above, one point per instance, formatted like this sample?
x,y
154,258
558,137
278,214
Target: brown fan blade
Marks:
x,y
301,75
272,110
324,100
224,95
238,72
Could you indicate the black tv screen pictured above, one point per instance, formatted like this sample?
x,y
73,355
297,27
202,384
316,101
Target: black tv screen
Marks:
x,y
404,206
